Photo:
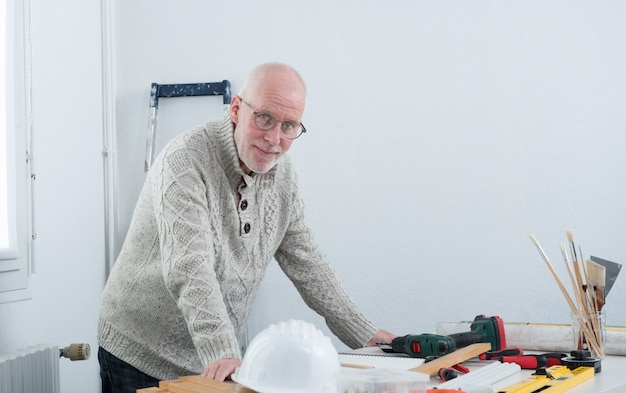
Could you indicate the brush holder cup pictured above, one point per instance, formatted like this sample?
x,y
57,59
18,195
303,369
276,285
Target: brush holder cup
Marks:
x,y
589,332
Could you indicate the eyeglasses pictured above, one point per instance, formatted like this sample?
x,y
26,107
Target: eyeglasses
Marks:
x,y
288,129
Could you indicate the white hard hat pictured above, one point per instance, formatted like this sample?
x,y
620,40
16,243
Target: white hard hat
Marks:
x,y
289,357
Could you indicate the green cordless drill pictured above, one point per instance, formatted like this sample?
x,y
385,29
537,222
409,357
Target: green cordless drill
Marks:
x,y
425,345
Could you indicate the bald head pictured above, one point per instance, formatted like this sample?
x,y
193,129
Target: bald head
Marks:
x,y
279,76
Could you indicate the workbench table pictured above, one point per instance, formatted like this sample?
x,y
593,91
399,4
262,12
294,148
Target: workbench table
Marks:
x,y
612,379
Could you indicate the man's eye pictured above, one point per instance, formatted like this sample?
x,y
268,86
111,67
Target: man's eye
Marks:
x,y
288,125
264,117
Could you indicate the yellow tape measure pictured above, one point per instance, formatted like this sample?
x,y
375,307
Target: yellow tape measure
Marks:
x,y
556,379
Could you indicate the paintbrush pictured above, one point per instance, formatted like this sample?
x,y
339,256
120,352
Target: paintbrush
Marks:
x,y
577,293
596,280
580,313
579,272
554,273
570,239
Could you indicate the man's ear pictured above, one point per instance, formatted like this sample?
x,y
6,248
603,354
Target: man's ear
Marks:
x,y
235,106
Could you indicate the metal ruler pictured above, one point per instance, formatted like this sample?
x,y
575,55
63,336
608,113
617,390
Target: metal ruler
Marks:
x,y
556,379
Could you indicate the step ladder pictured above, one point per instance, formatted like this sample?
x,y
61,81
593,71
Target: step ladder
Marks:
x,y
179,90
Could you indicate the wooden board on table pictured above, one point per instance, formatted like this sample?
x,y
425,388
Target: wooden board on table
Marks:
x,y
196,384
456,357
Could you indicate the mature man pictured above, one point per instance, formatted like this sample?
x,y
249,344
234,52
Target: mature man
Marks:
x,y
218,204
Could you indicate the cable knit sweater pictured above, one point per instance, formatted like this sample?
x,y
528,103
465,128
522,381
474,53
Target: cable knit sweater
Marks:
x,y
201,237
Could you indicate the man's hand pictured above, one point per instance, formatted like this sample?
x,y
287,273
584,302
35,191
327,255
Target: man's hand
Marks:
x,y
382,336
220,370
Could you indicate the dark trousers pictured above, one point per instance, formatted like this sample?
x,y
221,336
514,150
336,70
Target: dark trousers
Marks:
x,y
120,377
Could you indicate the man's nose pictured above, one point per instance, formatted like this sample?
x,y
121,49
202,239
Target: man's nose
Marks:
x,y
273,135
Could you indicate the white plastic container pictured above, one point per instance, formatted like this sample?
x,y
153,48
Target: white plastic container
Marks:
x,y
380,381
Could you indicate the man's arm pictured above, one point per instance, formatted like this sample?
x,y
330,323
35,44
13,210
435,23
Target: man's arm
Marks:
x,y
301,260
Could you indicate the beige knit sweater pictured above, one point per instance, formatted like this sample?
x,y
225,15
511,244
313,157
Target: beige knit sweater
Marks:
x,y
199,242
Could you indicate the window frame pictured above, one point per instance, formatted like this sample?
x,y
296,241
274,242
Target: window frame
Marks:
x,y
15,273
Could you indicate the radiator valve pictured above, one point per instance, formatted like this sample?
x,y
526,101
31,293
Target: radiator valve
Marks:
x,y
76,352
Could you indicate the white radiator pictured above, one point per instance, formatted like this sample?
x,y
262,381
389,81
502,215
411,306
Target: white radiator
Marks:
x,y
30,370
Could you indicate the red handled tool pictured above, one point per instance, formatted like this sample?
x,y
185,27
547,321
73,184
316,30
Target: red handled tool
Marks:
x,y
448,373
530,362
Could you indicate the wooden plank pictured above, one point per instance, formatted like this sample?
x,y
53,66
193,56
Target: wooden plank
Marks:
x,y
221,386
179,386
216,385
196,384
456,357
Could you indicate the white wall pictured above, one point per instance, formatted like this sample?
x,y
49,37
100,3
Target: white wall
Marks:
x,y
441,135
69,203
